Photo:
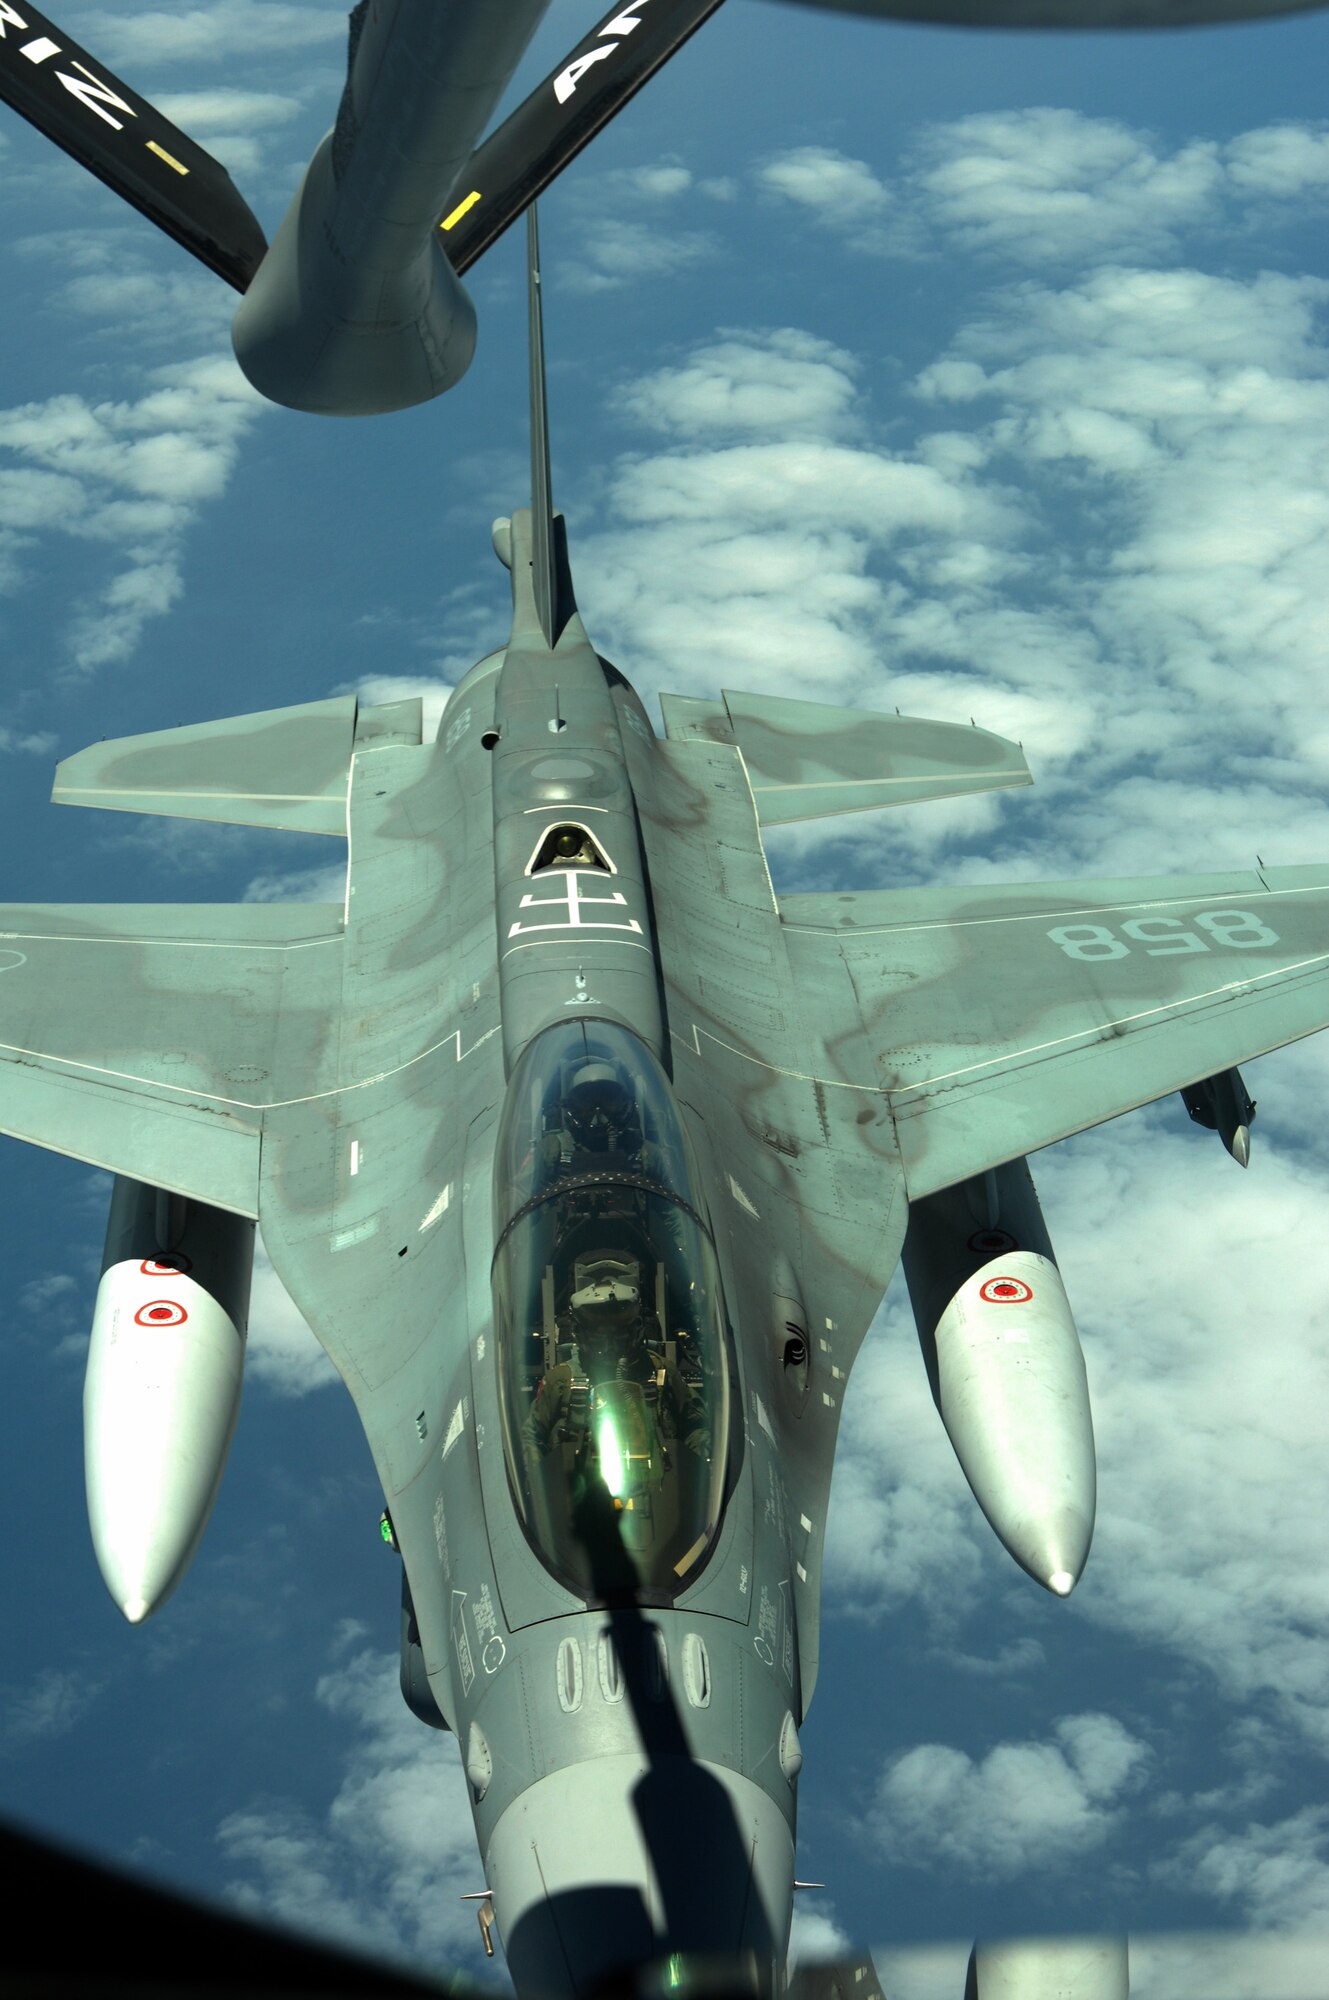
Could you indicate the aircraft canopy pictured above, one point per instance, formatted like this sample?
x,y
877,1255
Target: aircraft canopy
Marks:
x,y
614,1360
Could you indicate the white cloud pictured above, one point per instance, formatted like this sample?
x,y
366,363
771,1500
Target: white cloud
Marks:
x,y
1047,184
660,182
1198,408
48,1708
381,689
1201,1407
205,112
1287,161
622,236
370,1870
842,193
325,884
1275,1877
1022,1806
780,383
132,476
750,564
815,1938
282,1353
210,34
619,250
1044,183
1224,1965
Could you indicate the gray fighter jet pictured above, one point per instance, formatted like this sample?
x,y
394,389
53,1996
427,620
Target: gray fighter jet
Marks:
x,y
588,1158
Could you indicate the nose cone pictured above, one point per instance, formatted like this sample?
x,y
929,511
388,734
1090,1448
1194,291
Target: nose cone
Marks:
x,y
611,1863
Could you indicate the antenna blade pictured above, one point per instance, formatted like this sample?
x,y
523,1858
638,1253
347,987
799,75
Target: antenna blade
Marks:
x,y
122,139
544,582
590,86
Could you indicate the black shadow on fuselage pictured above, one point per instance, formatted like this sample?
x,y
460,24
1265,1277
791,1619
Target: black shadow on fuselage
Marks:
x,y
703,1865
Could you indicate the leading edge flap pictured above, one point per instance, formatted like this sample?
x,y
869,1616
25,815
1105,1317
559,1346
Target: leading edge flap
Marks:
x,y
284,768
809,761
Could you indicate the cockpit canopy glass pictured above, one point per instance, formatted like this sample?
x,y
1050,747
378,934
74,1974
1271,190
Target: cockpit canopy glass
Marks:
x,y
614,1364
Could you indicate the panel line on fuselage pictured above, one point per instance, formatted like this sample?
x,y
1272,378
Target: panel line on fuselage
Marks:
x,y
44,1057
1191,902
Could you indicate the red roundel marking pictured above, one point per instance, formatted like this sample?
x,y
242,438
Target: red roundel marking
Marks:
x,y
1005,1292
171,1267
160,1312
994,1241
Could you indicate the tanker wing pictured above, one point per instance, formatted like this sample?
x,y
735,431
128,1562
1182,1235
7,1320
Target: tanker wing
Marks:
x,y
998,1020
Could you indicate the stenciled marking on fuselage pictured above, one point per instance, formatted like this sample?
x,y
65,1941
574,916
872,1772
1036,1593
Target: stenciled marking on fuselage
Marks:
x,y
461,1641
574,901
1164,937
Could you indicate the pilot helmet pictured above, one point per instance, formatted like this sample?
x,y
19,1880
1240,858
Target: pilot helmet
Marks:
x,y
606,1317
599,1106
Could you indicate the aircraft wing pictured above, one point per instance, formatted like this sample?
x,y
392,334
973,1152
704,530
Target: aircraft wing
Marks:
x,y
998,1020
151,1039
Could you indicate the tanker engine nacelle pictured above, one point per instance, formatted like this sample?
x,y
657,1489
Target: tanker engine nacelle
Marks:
x,y
162,1390
1005,1365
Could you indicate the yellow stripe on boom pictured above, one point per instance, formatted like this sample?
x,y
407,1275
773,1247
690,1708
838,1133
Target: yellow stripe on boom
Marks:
x,y
169,158
460,210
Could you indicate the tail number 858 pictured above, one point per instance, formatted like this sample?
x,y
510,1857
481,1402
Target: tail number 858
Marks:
x,y
1165,937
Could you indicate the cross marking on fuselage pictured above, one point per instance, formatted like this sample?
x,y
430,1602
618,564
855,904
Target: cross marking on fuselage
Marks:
x,y
574,901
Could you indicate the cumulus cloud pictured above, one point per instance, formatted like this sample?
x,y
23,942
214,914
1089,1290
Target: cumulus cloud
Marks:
x,y
379,1868
1224,1965
381,689
233,124
130,477
282,1353
843,194
620,251
1286,161
1045,184
48,1708
1275,1877
1196,408
780,383
212,33
626,231
815,1938
748,561
1171,425
1203,1410
1022,1806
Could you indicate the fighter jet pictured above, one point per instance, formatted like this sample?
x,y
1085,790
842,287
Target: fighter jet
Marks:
x,y
357,307
588,1157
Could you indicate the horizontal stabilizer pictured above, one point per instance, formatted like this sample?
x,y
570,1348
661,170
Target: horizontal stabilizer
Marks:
x,y
809,761
122,139
283,768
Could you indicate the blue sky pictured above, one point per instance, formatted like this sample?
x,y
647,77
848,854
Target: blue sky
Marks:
x,y
978,375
